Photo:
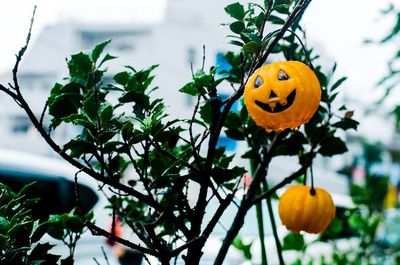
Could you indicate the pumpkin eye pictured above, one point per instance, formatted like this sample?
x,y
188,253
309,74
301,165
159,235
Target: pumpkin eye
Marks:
x,y
282,76
258,82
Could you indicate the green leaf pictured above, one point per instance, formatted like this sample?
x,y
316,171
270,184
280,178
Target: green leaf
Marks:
x,y
235,134
90,106
74,223
4,225
122,78
276,20
259,20
106,58
206,112
293,242
338,83
237,27
40,230
292,145
222,175
244,248
80,65
106,114
201,79
251,47
40,253
358,223
138,97
68,260
282,2
233,120
332,146
79,147
235,10
346,124
282,9
97,51
190,89
64,101
4,240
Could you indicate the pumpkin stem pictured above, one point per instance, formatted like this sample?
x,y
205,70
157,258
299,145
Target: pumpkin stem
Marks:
x,y
312,191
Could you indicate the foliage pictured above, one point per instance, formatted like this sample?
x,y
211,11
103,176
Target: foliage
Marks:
x,y
20,232
389,82
150,165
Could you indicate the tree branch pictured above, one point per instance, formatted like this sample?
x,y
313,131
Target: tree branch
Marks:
x,y
97,231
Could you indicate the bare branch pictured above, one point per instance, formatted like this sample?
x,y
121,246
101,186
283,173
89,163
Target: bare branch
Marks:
x,y
97,231
22,52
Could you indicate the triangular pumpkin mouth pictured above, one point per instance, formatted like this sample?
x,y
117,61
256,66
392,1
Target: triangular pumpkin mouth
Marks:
x,y
275,107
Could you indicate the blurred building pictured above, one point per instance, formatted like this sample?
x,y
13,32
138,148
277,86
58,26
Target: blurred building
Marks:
x,y
176,44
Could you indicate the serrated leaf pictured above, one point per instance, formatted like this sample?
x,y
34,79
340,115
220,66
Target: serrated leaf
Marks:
x,y
237,27
106,114
106,58
90,106
80,65
346,124
122,78
235,10
96,52
79,147
190,88
251,47
332,146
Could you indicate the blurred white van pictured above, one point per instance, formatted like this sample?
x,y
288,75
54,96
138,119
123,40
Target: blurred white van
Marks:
x,y
55,186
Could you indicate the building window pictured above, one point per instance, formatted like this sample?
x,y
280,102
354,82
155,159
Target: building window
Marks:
x,y
222,64
228,143
224,96
20,125
121,40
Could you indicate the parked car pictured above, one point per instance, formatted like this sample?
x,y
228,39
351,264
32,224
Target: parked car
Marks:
x,y
55,186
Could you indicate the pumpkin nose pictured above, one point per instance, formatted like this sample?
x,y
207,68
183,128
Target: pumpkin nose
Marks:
x,y
273,97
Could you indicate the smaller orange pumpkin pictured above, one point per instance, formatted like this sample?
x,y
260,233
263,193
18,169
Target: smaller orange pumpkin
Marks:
x,y
302,208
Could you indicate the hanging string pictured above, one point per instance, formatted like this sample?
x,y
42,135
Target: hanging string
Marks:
x,y
303,47
312,190
305,178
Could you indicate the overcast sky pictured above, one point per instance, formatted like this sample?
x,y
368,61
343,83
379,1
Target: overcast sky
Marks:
x,y
338,27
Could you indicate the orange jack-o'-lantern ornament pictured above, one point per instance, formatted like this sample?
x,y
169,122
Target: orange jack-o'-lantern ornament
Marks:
x,y
303,208
282,95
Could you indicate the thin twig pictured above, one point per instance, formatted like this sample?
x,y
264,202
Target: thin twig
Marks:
x,y
204,57
105,255
192,141
22,52
291,19
97,231
77,198
43,112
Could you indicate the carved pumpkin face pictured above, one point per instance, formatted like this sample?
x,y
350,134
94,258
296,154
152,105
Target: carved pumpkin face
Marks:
x,y
282,95
300,210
